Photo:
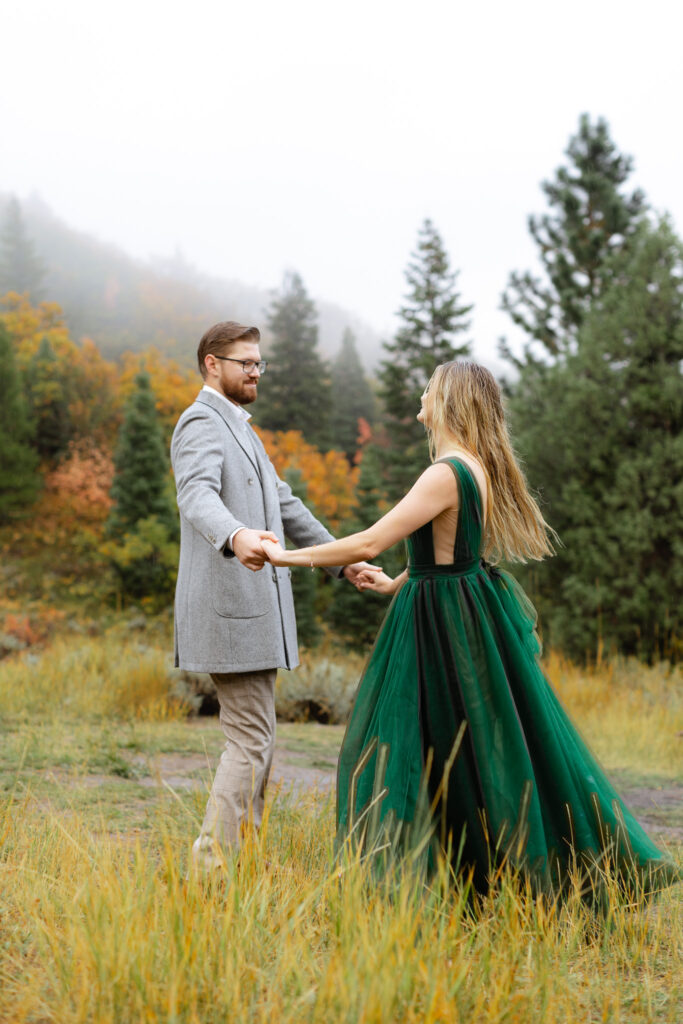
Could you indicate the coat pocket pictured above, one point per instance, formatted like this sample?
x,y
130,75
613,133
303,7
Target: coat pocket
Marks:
x,y
237,592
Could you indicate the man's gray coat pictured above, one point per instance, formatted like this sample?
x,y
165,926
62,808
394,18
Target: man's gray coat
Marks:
x,y
228,618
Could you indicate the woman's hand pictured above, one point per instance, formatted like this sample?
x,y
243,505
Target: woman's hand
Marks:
x,y
377,581
274,552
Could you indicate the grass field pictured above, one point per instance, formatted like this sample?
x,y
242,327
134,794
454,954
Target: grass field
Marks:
x,y
102,785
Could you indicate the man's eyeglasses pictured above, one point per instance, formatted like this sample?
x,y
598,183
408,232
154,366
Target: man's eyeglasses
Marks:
x,y
248,365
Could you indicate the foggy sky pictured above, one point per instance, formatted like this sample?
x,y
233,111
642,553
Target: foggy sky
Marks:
x,y
259,137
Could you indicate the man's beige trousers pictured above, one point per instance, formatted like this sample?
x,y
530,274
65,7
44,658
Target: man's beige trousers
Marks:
x,y
247,717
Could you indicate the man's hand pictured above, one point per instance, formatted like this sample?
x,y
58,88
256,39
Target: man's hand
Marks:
x,y
247,547
355,573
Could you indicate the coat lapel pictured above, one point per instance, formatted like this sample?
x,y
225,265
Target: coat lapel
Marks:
x,y
236,429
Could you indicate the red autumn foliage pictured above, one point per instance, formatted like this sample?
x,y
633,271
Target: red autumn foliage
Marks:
x,y
76,496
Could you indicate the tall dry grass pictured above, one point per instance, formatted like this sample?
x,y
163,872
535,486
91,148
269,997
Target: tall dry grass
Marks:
x,y
630,713
106,677
98,925
97,929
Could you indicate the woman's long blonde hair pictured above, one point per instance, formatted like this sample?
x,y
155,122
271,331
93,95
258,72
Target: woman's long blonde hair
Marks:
x,y
466,408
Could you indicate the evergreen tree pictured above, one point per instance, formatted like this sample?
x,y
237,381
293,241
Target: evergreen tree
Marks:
x,y
603,429
591,217
19,478
355,617
20,269
304,582
352,397
143,523
433,317
48,402
297,389
140,487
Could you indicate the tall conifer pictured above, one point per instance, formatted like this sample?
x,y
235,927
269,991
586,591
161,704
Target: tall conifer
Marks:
x,y
606,442
592,215
433,319
143,524
20,269
355,616
140,487
352,397
19,478
296,391
46,388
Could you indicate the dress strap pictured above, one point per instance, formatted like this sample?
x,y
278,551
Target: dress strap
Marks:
x,y
471,516
457,465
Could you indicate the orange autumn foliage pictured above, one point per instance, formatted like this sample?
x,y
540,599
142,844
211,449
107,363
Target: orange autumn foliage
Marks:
x,y
330,483
174,387
76,496
95,406
30,630
88,380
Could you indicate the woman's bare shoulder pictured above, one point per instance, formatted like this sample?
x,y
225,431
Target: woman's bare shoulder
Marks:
x,y
437,477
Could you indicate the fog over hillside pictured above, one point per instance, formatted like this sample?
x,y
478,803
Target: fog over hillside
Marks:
x,y
123,303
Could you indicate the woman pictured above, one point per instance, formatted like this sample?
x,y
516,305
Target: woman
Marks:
x,y
453,715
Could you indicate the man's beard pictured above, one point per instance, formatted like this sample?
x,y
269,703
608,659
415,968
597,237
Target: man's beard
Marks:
x,y
244,395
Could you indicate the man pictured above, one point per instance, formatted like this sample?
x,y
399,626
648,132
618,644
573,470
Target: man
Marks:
x,y
234,618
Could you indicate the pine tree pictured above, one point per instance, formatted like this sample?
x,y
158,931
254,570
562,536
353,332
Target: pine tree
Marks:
x,y
591,217
46,390
143,523
352,397
356,617
433,317
608,422
20,269
19,478
296,389
140,487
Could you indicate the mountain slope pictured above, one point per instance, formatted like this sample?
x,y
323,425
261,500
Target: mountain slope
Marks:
x,y
127,304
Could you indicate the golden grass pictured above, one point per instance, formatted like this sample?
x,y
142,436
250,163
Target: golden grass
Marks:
x,y
631,714
97,924
106,677
97,929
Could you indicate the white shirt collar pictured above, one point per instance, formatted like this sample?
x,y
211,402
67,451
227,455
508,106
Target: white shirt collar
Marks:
x,y
238,410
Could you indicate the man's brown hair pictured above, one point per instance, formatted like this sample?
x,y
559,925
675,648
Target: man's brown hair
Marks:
x,y
218,337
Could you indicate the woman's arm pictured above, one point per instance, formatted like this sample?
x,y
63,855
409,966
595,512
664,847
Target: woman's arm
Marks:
x,y
435,491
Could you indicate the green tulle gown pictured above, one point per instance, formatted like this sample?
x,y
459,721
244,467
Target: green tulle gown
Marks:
x,y
458,645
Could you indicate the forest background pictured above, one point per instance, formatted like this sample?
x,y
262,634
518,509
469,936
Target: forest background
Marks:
x,y
97,362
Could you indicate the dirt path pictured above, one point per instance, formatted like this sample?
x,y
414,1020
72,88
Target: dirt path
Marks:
x,y
659,809
290,771
306,758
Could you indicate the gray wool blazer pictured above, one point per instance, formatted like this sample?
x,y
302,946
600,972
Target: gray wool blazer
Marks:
x,y
228,618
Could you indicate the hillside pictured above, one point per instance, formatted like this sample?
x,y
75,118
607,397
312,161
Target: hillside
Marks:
x,y
127,304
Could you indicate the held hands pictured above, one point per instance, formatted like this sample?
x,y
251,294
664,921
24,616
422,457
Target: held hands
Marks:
x,y
247,547
376,580
362,575
359,572
272,550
